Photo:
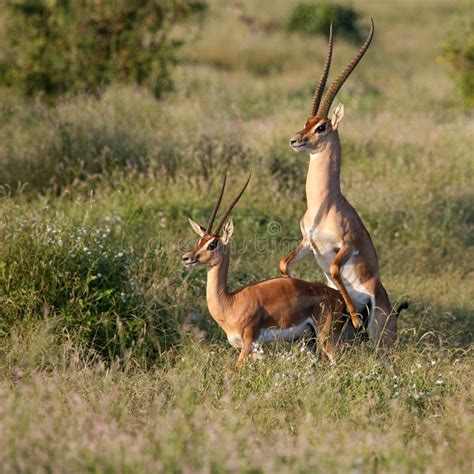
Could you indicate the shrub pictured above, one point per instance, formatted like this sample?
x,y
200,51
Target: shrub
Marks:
x,y
85,279
459,52
60,46
315,18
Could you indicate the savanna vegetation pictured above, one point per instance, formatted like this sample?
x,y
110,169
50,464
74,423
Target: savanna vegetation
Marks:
x,y
109,361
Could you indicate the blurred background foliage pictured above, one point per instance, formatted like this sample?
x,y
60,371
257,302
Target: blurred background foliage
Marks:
x,y
58,46
459,52
315,18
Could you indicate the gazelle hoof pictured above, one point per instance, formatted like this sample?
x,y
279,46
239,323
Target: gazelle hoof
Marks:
x,y
356,321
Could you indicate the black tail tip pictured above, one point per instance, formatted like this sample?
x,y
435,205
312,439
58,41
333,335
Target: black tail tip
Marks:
x,y
402,306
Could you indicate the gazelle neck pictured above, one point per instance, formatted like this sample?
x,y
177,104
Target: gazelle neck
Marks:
x,y
323,178
217,295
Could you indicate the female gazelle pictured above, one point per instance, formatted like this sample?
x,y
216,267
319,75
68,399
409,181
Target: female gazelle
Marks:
x,y
277,309
332,230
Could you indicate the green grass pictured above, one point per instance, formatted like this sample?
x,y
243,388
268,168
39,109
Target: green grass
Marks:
x,y
109,360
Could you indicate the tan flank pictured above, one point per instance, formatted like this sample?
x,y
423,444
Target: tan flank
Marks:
x,y
279,309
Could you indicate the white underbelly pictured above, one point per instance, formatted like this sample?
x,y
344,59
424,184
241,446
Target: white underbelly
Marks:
x,y
323,244
306,329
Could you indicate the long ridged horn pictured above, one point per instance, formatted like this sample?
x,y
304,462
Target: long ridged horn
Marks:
x,y
324,77
232,205
216,207
339,80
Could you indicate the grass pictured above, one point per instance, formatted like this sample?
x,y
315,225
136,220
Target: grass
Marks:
x,y
64,408
108,358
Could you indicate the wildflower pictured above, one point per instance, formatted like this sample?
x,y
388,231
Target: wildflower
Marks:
x,y
439,382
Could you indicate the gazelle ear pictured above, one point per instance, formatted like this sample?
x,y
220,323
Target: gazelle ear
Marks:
x,y
199,229
337,116
228,231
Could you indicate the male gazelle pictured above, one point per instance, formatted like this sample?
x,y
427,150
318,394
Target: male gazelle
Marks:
x,y
282,309
331,227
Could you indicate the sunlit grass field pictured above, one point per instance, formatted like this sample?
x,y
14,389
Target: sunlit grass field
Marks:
x,y
109,360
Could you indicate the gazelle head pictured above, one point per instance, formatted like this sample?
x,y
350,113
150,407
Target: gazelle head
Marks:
x,y
211,247
318,128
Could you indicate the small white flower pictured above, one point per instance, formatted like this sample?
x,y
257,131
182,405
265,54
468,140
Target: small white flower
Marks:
x,y
439,382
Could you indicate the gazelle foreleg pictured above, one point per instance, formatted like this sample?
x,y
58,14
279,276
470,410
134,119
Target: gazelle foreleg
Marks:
x,y
298,253
332,323
342,256
248,337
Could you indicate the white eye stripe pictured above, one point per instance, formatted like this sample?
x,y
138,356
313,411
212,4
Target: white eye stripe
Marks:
x,y
212,243
321,127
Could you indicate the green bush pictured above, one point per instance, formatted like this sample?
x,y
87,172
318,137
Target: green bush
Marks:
x,y
85,279
57,46
315,18
459,52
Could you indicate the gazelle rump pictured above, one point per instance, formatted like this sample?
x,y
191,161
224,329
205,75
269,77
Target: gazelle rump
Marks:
x,y
332,229
283,309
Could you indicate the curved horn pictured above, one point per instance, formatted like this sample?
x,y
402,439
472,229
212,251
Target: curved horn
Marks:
x,y
339,80
216,206
229,209
324,77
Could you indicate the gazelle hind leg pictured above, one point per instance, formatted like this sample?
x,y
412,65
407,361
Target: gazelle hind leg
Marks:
x,y
382,327
341,258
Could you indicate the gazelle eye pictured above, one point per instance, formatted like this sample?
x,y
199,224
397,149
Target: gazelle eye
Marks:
x,y
212,245
321,128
